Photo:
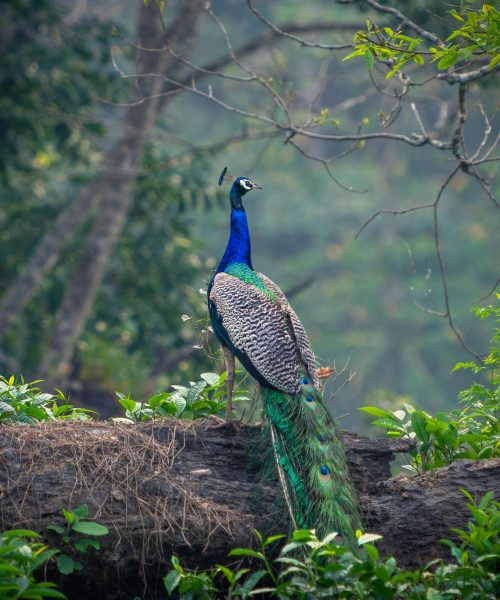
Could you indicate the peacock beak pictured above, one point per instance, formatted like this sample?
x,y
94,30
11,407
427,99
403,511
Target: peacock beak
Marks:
x,y
257,187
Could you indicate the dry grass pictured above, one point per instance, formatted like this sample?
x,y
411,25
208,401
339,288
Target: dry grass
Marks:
x,y
133,482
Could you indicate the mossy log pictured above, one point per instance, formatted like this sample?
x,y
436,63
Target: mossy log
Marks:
x,y
171,487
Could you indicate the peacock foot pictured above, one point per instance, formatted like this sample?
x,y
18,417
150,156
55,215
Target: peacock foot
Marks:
x,y
220,423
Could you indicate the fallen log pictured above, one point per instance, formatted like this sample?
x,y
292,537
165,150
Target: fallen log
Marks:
x,y
169,487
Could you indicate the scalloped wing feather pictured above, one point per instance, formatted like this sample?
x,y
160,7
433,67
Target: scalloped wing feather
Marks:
x,y
260,329
303,343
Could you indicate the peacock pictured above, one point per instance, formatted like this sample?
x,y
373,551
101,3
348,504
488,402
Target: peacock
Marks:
x,y
254,322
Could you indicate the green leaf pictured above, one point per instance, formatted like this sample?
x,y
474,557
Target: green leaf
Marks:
x,y
4,407
171,581
81,511
227,572
390,424
56,528
303,535
494,61
128,404
456,15
330,537
167,409
399,414
246,552
85,544
90,528
252,581
448,60
273,538
289,547
369,59
419,423
20,533
366,538
371,552
43,591
68,515
154,401
65,564
211,378
358,52
485,500
179,401
195,391
374,410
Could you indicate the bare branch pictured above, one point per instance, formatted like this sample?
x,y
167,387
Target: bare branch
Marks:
x,y
464,78
405,21
293,37
325,162
391,211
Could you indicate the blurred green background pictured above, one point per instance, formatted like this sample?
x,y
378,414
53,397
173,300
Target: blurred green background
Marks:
x,y
64,109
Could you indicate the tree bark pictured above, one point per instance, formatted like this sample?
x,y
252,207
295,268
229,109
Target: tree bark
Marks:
x,y
117,189
174,487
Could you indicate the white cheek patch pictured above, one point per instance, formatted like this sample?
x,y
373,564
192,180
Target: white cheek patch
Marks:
x,y
245,183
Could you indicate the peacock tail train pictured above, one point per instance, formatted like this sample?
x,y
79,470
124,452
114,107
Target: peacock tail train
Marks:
x,y
311,459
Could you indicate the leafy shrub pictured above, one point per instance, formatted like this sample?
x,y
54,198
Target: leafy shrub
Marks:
x,y
201,399
24,403
20,556
307,567
475,38
74,537
471,431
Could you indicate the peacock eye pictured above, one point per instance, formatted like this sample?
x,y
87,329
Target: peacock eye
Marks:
x,y
324,474
304,381
309,398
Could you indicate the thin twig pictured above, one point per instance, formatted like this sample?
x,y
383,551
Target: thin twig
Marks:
x,y
391,211
295,38
493,288
444,281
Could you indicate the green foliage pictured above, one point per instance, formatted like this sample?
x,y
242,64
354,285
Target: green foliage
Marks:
x,y
74,535
477,38
471,431
24,403
480,542
21,555
196,401
307,567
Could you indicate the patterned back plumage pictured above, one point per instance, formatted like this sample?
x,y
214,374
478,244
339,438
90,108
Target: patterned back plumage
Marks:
x,y
251,316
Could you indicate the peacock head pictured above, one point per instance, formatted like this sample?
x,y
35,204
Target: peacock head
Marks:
x,y
241,185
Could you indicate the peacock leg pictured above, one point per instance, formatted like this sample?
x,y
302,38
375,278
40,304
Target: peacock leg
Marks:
x,y
229,360
227,421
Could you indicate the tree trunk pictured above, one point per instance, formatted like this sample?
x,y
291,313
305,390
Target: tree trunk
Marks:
x,y
174,487
46,254
117,189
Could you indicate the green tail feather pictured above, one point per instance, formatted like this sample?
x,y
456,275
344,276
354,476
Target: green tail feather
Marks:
x,y
311,457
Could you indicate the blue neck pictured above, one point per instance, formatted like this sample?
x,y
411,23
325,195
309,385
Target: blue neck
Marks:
x,y
238,247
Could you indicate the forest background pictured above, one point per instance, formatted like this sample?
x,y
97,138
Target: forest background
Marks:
x,y
119,303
